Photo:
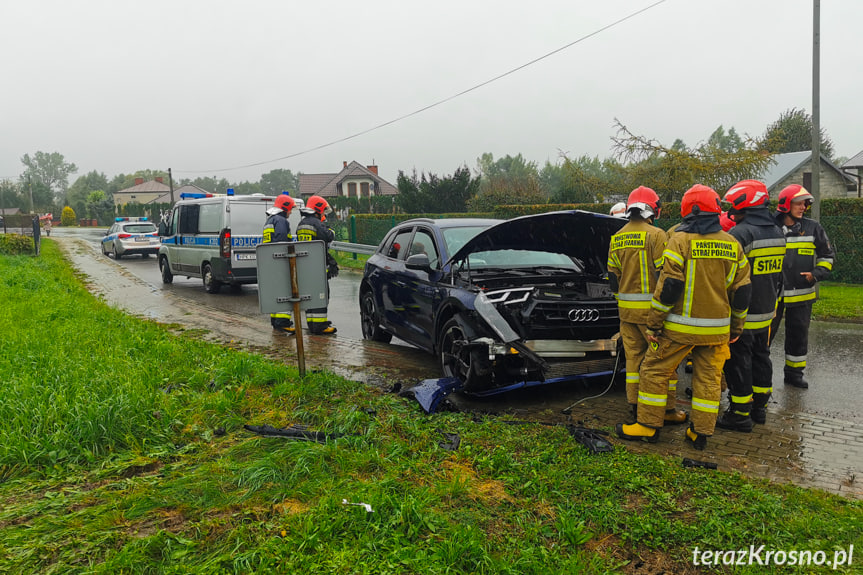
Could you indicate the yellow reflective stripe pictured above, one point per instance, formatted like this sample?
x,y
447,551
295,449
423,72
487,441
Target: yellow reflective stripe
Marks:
x,y
741,398
655,304
673,256
651,398
740,314
696,329
315,319
633,304
797,298
791,363
690,287
825,263
757,389
281,315
763,252
706,405
672,385
645,280
634,296
658,263
632,377
757,324
802,242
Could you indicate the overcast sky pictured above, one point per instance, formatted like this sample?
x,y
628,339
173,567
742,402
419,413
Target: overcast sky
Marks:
x,y
205,86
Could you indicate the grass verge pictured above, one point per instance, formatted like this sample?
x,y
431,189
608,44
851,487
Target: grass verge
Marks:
x,y
122,450
838,302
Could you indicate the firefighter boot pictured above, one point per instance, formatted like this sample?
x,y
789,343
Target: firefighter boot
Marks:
x,y
675,417
735,421
759,414
637,432
698,440
329,330
795,381
633,408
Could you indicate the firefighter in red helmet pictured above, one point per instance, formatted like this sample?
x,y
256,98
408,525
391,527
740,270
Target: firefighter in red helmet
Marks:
x,y
634,259
310,228
278,229
699,306
749,372
809,259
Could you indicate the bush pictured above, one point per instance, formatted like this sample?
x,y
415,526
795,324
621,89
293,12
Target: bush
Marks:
x,y
68,218
16,244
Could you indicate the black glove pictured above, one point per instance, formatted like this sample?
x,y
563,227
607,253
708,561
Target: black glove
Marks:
x,y
332,266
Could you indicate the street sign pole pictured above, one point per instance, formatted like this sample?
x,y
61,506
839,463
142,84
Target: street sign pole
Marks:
x,y
295,296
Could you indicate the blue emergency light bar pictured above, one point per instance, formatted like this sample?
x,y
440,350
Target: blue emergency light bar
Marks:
x,y
132,219
195,195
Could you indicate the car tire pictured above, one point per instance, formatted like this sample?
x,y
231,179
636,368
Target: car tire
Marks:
x,y
370,321
165,268
460,363
211,284
117,255
104,251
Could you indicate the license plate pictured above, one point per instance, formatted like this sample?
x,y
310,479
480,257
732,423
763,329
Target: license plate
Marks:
x,y
142,239
245,257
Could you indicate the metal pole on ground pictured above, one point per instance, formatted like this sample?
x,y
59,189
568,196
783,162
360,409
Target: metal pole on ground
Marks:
x,y
295,296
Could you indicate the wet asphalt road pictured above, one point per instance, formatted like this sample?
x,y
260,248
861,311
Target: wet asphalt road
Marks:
x,y
835,369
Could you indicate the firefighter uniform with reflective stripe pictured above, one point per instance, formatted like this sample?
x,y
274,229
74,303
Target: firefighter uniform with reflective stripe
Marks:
x,y
634,257
309,229
696,308
808,249
277,229
749,371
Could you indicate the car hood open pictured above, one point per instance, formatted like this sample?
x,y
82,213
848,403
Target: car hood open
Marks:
x,y
575,233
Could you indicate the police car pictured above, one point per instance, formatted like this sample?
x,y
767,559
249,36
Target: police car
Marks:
x,y
213,237
130,236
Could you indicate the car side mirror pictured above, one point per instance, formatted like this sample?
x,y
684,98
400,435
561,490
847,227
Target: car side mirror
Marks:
x,y
106,232
418,262
163,229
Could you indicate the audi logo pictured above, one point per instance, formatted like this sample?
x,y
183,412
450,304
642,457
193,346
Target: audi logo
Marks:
x,y
583,314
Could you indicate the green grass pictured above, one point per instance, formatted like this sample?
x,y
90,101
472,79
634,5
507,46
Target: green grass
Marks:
x,y
843,302
122,451
346,260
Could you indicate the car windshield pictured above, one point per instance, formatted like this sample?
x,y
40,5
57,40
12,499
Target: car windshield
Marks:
x,y
139,228
457,237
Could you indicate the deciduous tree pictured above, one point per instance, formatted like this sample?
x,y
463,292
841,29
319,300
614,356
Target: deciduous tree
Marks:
x,y
51,170
792,132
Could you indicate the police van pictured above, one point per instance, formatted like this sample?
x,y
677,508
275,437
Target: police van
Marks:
x,y
213,237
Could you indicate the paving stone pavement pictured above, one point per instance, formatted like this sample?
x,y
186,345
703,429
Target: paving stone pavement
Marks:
x,y
805,449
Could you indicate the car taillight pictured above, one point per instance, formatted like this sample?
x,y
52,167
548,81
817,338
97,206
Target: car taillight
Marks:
x,y
124,236
225,243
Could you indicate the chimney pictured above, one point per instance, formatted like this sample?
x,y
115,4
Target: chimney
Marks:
x,y
139,181
344,164
159,179
373,169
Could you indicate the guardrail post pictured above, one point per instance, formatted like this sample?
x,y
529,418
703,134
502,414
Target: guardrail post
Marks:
x,y
354,232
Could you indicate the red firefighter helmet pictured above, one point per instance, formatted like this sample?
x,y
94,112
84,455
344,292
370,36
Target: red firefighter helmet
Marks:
x,y
645,201
319,206
792,193
746,194
700,199
284,202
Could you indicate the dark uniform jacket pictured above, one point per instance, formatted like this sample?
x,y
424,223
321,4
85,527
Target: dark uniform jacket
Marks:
x,y
277,229
764,246
311,228
807,250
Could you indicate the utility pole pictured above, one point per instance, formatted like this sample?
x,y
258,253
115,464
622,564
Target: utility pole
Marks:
x,y
171,184
816,111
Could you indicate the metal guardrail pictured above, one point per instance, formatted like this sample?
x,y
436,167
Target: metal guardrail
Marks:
x,y
353,248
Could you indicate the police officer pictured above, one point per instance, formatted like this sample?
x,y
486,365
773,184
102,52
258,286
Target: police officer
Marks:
x,y
278,229
312,227
634,257
699,306
748,371
808,260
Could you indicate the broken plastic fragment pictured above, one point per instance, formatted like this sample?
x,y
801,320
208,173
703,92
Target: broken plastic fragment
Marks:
x,y
365,506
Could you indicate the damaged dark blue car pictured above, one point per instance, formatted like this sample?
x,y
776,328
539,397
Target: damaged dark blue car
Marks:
x,y
502,304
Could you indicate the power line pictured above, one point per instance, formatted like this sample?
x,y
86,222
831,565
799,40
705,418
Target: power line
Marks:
x,y
438,103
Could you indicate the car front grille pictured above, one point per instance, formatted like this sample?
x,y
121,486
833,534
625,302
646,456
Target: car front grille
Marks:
x,y
586,320
569,367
